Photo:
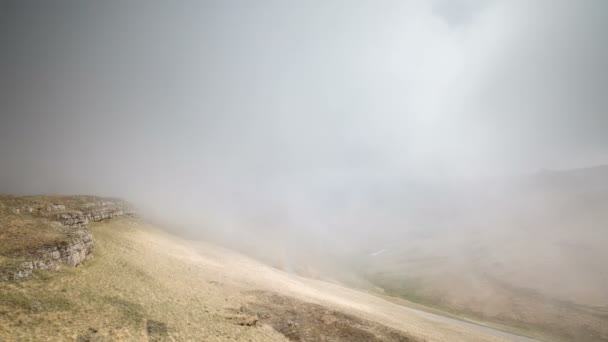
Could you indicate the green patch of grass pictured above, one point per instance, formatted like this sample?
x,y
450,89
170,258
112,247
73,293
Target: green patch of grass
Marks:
x,y
29,303
408,288
9,263
417,291
131,312
134,271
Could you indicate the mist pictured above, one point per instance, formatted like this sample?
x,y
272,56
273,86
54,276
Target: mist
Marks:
x,y
318,128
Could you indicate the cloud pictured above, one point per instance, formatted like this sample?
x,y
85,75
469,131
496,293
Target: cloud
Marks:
x,y
232,112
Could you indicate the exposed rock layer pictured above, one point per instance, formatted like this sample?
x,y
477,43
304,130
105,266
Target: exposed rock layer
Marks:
x,y
71,215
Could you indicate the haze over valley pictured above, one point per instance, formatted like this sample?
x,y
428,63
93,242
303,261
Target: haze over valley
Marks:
x,y
425,170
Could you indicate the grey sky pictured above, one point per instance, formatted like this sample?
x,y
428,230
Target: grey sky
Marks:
x,y
229,108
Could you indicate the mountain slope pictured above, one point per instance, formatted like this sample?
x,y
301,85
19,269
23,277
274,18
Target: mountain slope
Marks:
x,y
144,284
527,253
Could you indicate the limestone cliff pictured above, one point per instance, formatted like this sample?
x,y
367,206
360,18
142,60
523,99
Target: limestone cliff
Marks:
x,y
46,232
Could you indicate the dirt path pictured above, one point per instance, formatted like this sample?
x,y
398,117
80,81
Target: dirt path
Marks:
x,y
476,327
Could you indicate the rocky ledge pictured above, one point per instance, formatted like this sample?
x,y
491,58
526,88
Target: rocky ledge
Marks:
x,y
66,217
70,252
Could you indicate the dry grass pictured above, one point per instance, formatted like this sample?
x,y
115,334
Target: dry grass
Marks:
x,y
115,296
20,234
28,223
147,285
23,224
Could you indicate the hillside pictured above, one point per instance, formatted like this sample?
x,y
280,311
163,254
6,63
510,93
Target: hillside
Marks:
x,y
145,284
529,253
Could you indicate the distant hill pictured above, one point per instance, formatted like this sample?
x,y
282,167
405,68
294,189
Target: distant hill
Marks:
x,y
528,253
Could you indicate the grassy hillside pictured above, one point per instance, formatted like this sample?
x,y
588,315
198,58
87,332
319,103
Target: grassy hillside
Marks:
x,y
147,285
132,290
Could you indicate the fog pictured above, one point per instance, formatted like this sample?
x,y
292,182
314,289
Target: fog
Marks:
x,y
343,123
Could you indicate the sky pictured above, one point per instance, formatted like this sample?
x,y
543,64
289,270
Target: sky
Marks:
x,y
268,112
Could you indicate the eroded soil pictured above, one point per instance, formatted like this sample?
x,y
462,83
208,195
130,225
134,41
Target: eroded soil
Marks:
x,y
307,322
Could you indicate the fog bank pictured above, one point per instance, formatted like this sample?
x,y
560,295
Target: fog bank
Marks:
x,y
284,120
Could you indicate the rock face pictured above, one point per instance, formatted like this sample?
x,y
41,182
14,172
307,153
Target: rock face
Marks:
x,y
72,252
94,212
72,217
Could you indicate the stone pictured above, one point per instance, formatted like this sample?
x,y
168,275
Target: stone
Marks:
x,y
79,246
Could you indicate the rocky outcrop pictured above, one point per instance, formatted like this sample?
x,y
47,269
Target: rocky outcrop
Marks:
x,y
71,252
104,213
90,212
72,218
